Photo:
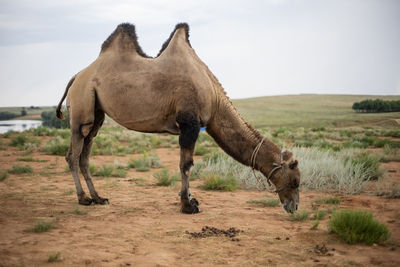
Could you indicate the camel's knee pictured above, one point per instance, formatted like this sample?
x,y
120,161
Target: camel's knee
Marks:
x,y
189,128
186,167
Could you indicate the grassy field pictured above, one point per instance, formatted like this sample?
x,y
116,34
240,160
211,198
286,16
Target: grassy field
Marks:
x,y
310,110
349,164
307,110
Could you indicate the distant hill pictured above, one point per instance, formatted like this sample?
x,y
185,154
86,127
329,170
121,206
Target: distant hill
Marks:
x,y
308,110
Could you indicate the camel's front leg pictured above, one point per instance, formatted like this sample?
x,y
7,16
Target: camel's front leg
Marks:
x,y
189,205
189,131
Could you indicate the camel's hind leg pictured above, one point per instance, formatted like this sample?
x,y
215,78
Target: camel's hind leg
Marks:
x,y
84,158
72,158
189,128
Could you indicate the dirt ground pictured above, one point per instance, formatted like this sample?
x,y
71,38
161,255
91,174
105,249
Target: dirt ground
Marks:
x,y
142,225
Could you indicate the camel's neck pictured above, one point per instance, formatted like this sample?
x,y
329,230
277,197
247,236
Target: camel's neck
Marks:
x,y
239,139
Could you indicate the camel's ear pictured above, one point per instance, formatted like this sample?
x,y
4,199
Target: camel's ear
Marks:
x,y
293,164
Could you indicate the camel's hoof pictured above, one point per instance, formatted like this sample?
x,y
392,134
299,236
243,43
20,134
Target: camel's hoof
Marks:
x,y
101,201
190,207
86,201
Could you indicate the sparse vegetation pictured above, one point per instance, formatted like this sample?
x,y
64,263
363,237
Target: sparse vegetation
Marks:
x,y
220,183
105,171
54,257
357,226
320,215
31,159
328,200
77,211
3,175
20,169
145,163
300,215
315,225
164,178
25,141
121,173
201,150
41,227
388,189
56,146
265,202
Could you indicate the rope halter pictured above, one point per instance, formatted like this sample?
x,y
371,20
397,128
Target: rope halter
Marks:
x,y
277,166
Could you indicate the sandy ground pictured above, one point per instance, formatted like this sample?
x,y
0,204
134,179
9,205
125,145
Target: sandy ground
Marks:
x,y
142,226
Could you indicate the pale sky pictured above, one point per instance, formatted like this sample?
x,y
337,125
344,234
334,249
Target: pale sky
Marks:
x,y
255,48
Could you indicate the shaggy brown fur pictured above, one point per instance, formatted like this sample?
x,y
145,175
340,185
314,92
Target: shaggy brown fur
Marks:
x,y
173,93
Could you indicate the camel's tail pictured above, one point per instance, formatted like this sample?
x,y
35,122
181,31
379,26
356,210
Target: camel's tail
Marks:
x,y
59,113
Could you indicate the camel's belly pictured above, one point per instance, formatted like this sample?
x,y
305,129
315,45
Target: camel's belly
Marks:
x,y
149,125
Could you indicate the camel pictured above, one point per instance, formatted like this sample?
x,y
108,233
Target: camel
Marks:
x,y
173,93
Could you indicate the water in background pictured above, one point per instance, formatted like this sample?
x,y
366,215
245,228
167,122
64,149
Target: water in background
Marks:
x,y
18,125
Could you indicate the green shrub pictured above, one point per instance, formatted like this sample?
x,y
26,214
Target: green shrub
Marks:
x,y
105,145
41,227
43,131
328,200
19,140
144,163
105,171
265,202
119,173
315,225
3,175
92,168
54,257
201,150
346,133
391,133
221,183
320,214
318,129
24,141
387,142
299,215
19,169
31,159
56,146
164,178
8,133
357,226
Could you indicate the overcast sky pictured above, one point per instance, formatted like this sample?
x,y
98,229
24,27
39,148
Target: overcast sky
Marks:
x,y
255,48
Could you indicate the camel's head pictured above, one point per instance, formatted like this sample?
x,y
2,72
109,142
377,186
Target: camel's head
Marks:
x,y
286,179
